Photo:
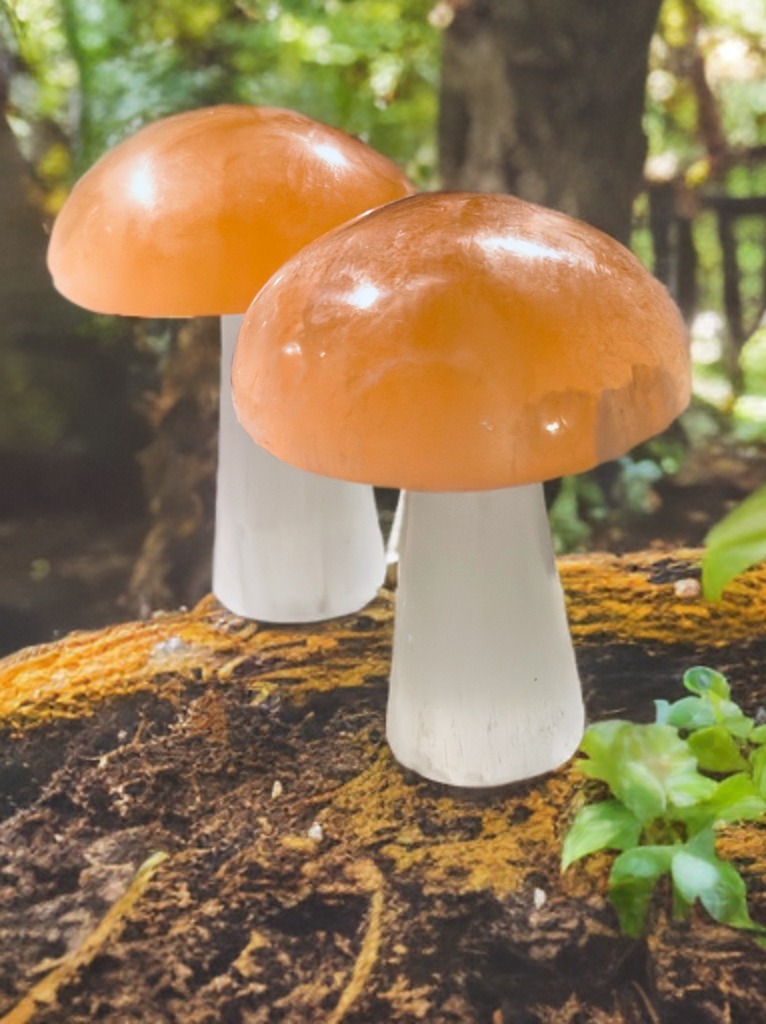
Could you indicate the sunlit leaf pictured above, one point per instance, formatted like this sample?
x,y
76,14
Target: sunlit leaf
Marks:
x,y
736,798
641,789
370,67
734,545
647,767
604,826
702,680
598,743
662,711
731,716
689,713
758,768
699,874
716,750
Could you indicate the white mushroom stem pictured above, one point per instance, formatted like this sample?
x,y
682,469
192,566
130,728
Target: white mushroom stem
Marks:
x,y
290,546
484,685
395,536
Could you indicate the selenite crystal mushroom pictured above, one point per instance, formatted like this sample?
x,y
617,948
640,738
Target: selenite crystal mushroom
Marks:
x,y
474,345
189,217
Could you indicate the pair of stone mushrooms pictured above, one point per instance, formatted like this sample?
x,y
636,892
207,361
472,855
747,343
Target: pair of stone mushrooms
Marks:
x,y
190,217
462,347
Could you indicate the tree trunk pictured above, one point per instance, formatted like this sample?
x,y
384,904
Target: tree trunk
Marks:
x,y
67,432
544,98
29,305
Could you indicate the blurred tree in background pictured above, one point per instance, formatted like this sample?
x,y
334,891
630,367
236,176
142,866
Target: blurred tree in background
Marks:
x,y
91,72
706,123
545,101
63,399
80,75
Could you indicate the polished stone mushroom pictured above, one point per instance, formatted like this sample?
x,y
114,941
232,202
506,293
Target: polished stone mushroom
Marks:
x,y
466,348
189,217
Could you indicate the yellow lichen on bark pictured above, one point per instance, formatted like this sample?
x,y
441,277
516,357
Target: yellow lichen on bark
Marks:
x,y
634,599
455,846
628,599
68,678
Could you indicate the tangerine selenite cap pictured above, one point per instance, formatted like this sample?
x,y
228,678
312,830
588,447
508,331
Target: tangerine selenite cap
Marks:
x,y
459,342
191,215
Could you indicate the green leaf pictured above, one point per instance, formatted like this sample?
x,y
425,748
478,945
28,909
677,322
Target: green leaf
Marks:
x,y
641,790
600,737
702,680
711,705
689,788
681,907
690,713
758,769
632,880
735,799
735,544
716,750
647,767
731,715
758,734
661,711
699,874
604,826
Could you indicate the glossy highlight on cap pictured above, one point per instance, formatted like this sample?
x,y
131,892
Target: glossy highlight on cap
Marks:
x,y
194,213
460,342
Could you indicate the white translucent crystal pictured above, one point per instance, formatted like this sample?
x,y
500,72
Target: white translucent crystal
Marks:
x,y
290,546
484,685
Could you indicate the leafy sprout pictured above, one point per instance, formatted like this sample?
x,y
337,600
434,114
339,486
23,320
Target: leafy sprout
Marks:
x,y
700,765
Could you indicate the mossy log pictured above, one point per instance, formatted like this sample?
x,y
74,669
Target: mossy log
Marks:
x,y
203,825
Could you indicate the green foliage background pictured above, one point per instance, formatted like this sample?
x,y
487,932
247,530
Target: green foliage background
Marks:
x,y
88,73
94,71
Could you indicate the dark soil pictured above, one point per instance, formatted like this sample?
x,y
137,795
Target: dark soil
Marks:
x,y
63,572
251,921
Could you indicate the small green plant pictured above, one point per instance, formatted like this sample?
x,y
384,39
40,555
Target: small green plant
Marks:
x,y
700,765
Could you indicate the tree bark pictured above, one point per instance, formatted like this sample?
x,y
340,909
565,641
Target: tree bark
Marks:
x,y
27,300
544,99
67,432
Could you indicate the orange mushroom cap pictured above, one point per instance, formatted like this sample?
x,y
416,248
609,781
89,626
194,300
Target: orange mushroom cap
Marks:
x,y
458,342
191,215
